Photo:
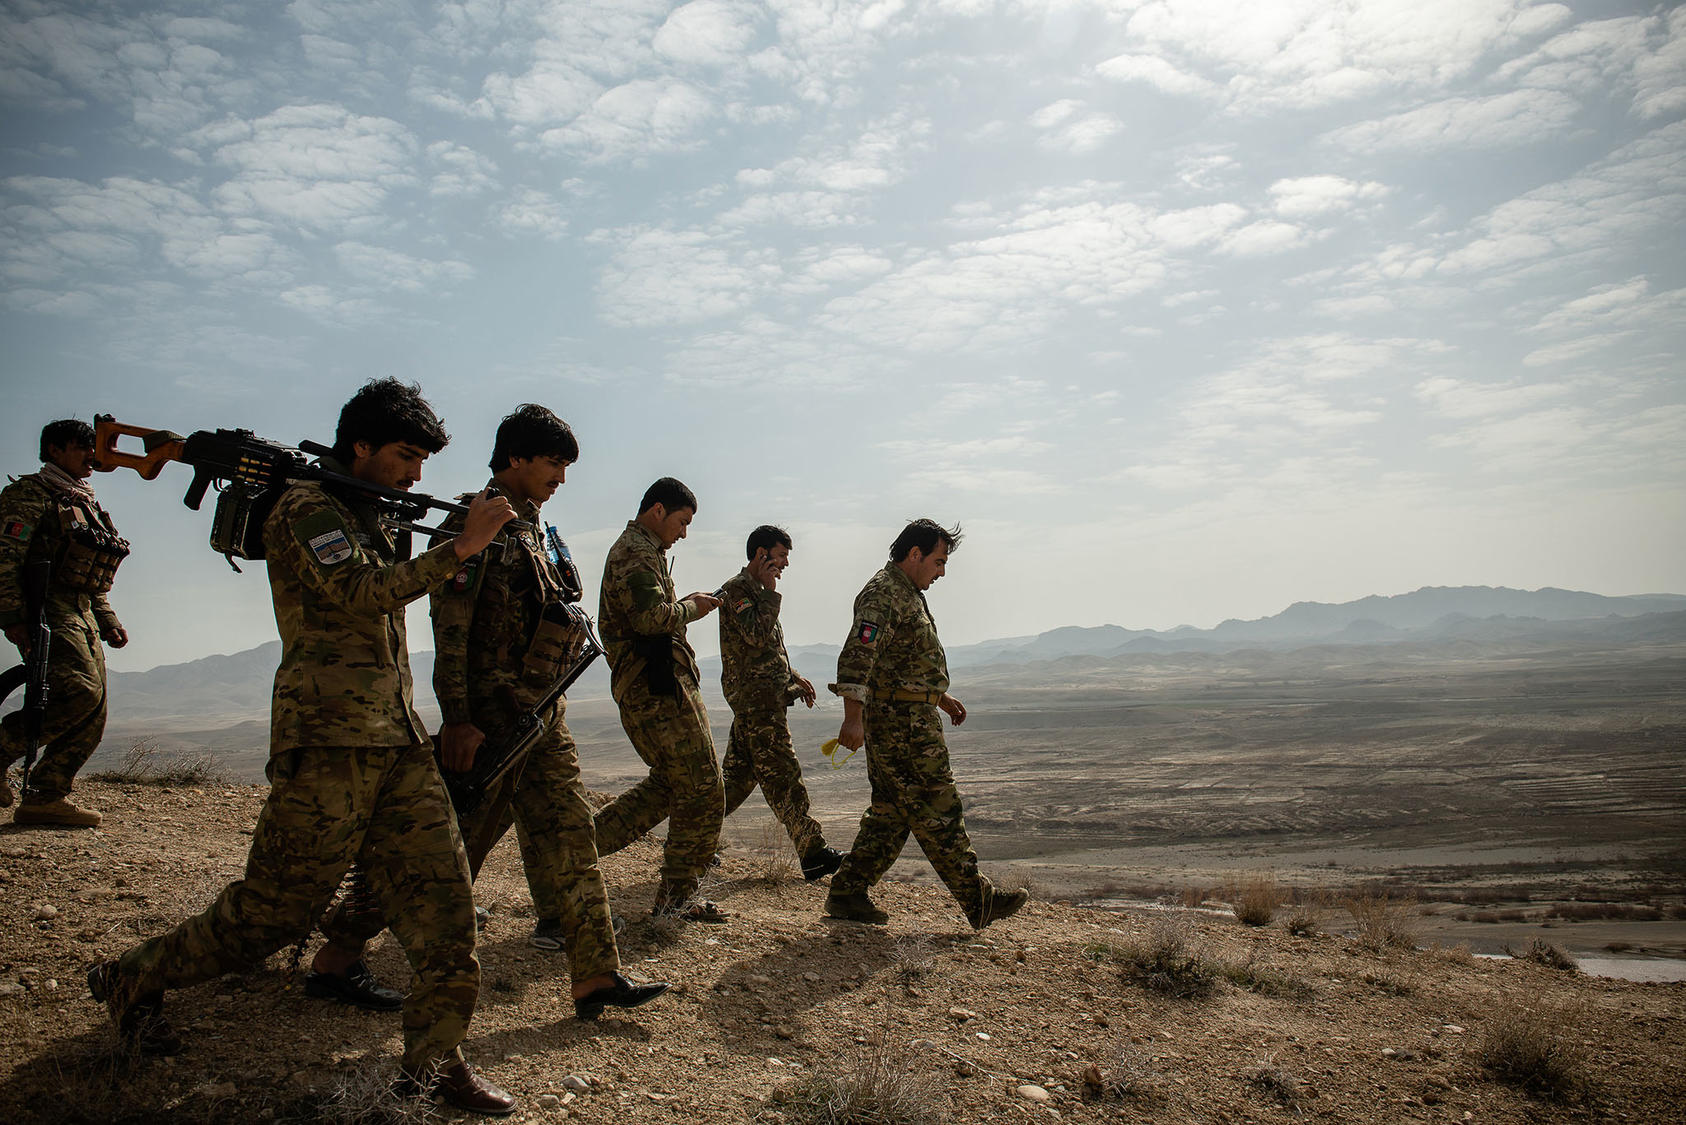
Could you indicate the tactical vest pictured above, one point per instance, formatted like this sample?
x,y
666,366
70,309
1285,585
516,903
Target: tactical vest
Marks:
x,y
90,550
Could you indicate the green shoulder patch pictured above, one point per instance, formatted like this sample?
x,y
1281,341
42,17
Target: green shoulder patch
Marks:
x,y
646,590
324,536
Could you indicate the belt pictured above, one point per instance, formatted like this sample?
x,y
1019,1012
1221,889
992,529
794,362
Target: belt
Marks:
x,y
931,697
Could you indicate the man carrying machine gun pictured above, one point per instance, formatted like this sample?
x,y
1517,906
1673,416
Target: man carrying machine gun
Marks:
x,y
351,767
503,633
51,525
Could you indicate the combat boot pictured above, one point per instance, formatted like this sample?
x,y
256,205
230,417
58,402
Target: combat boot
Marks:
x,y
60,813
854,908
820,862
998,905
139,1018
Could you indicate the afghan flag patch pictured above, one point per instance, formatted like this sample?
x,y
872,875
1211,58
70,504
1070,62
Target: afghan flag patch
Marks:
x,y
742,605
868,633
464,579
17,529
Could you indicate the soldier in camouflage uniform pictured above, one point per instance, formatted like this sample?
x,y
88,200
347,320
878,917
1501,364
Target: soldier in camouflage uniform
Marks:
x,y
893,677
53,515
351,768
502,636
653,677
760,686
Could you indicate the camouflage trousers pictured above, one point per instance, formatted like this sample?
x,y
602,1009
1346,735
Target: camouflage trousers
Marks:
x,y
75,719
759,752
912,792
671,734
545,799
382,807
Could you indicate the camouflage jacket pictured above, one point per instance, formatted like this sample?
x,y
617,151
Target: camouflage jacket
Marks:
x,y
893,645
485,622
339,595
31,528
755,670
637,600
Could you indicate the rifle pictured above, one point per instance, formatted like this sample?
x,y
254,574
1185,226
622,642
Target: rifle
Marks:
x,y
32,673
249,473
468,788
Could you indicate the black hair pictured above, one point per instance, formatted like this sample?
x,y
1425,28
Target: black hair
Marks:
x,y
670,494
65,433
532,431
384,411
766,536
923,534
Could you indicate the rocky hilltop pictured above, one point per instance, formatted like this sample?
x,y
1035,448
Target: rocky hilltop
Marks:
x,y
1064,1013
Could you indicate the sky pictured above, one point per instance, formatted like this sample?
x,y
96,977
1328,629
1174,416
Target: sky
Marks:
x,y
1185,309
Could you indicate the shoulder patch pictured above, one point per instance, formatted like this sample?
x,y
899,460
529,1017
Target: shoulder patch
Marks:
x,y
743,605
646,589
17,529
465,577
324,536
868,633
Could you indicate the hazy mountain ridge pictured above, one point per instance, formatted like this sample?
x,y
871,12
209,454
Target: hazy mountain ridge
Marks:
x,y
236,686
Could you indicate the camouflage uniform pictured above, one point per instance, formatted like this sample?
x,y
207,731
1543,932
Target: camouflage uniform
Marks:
x,y
895,666
760,685
35,518
653,677
352,778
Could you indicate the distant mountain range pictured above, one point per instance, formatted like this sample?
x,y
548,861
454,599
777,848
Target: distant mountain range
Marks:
x,y
235,688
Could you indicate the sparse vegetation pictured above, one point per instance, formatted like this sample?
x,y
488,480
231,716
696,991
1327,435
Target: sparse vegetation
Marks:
x,y
1393,984
1384,922
1545,953
1603,911
913,957
875,1086
1168,960
144,764
1256,898
367,1095
1133,1077
1280,1084
1304,918
774,862
1265,979
1529,1048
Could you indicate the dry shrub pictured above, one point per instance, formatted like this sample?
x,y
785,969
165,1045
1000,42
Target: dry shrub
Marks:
x,y
1458,954
1169,960
1384,922
144,764
1132,1078
1192,898
1256,899
1277,1082
1393,984
913,957
366,1095
1263,978
876,1086
1531,1049
774,863
1543,952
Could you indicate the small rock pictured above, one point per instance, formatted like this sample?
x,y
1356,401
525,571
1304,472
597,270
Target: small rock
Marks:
x,y
45,911
962,1014
575,1083
10,988
1453,1028
549,1101
1031,1093
784,1031
983,1035
812,978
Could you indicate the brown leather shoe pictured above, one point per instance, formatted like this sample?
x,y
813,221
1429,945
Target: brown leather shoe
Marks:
x,y
460,1088
60,813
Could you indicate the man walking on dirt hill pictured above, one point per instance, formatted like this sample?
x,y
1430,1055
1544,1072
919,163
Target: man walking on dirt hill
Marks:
x,y
502,635
351,767
653,676
760,686
52,516
893,677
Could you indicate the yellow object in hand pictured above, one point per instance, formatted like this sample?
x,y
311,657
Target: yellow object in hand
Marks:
x,y
830,752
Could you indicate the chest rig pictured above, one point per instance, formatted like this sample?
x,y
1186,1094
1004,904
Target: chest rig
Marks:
x,y
91,551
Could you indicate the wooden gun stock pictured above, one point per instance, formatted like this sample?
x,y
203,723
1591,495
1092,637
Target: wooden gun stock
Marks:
x,y
161,447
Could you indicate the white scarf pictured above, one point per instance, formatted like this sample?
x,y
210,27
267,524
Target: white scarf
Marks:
x,y
62,481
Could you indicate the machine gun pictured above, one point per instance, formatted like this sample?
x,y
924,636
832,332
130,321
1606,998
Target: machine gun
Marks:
x,y
249,473
32,673
493,761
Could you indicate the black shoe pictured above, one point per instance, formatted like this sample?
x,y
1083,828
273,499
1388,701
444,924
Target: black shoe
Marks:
x,y
357,986
140,1021
622,994
820,862
854,908
999,905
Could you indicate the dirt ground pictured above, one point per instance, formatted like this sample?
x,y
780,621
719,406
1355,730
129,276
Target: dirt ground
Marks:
x,y
1315,1027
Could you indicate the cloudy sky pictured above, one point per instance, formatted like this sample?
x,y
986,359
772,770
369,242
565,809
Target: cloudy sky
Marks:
x,y
1186,309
